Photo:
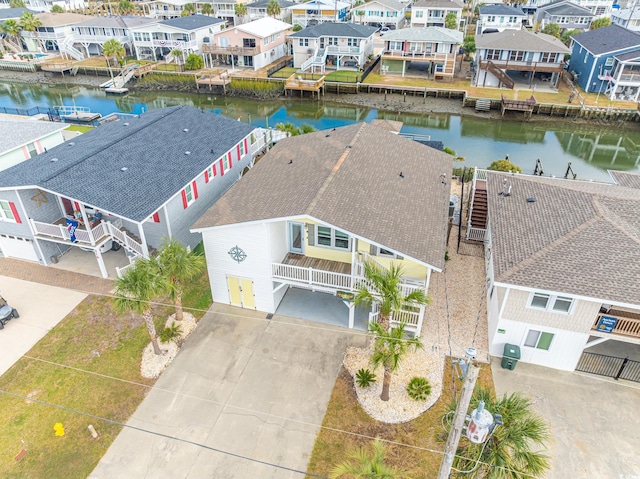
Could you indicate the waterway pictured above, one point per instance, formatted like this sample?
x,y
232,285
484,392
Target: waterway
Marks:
x,y
592,149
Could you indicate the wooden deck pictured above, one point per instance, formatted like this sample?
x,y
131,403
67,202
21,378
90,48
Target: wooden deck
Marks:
x,y
303,82
57,67
213,77
303,261
518,105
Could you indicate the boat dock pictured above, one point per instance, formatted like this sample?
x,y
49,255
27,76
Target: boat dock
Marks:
x,y
213,77
76,114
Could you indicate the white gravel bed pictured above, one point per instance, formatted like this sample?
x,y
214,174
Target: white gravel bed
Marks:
x,y
400,407
153,364
187,325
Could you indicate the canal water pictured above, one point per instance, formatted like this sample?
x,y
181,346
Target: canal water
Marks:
x,y
592,149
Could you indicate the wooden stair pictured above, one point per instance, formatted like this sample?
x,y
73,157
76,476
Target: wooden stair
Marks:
x,y
500,75
479,209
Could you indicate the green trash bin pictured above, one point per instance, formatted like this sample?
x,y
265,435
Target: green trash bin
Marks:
x,y
510,356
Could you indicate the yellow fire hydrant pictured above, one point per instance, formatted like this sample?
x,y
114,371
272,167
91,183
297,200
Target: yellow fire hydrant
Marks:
x,y
59,429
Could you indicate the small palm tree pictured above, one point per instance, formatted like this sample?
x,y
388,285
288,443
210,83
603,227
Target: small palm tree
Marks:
x,y
12,29
30,23
177,55
240,9
114,49
513,451
273,8
125,7
367,464
178,265
384,286
390,347
134,292
188,9
207,9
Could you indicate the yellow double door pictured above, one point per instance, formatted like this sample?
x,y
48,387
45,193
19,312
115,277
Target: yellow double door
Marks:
x,y
241,292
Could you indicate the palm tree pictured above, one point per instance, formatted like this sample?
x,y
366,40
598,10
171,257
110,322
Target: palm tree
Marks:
x,y
207,9
177,55
273,8
12,29
125,7
178,265
114,49
384,286
30,23
389,349
134,292
188,9
240,9
365,464
512,451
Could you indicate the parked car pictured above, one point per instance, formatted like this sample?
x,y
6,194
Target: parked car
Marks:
x,y
6,313
384,30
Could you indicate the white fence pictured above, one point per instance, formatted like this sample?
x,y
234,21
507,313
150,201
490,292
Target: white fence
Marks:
x,y
312,277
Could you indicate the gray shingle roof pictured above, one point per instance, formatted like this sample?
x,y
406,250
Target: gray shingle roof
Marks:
x,y
262,4
565,8
632,55
13,13
16,133
522,40
425,34
501,10
349,177
577,238
117,21
391,4
192,22
450,4
626,179
607,39
335,29
151,147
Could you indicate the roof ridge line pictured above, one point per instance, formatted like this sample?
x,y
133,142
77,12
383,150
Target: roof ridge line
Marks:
x,y
334,170
606,213
541,252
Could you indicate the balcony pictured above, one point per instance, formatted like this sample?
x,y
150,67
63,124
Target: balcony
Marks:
x,y
99,38
629,78
342,50
240,51
522,65
425,56
621,323
172,43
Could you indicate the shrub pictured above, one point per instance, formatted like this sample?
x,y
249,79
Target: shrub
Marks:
x,y
365,378
194,62
504,165
297,27
419,389
170,333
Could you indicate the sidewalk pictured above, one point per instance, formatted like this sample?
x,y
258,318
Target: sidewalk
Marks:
x,y
36,273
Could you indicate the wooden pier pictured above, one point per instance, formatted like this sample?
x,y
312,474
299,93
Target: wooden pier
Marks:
x,y
525,106
58,67
304,82
213,77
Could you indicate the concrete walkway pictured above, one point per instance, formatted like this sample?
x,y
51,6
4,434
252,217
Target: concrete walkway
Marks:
x,y
593,420
253,388
36,273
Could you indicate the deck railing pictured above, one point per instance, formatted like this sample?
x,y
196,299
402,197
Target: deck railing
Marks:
x,y
624,326
61,232
311,276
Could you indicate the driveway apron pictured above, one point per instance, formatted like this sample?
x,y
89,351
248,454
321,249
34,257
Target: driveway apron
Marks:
x,y
253,388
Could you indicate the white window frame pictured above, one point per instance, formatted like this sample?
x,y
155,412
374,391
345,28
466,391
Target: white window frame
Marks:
x,y
210,172
242,152
419,13
609,62
225,163
5,210
333,239
388,254
551,303
32,148
540,333
188,192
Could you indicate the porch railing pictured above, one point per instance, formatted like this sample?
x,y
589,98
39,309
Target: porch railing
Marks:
x,y
624,326
124,239
410,318
61,232
311,276
476,234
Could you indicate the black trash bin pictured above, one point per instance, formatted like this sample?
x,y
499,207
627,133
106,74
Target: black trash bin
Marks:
x,y
510,356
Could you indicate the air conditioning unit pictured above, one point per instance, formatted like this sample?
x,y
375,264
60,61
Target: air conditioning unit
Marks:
x,y
309,51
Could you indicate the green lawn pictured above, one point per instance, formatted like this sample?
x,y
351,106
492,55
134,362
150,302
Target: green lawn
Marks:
x,y
80,128
94,337
339,76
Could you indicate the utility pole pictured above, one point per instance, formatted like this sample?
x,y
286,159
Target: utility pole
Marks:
x,y
472,370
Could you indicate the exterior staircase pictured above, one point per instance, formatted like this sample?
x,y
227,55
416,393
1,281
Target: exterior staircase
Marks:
x,y
478,209
318,59
11,45
500,75
66,47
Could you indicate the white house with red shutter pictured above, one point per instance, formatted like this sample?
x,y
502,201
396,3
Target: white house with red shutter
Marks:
x,y
126,186
23,139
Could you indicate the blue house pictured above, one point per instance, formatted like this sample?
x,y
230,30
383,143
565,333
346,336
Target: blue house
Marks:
x,y
122,188
607,60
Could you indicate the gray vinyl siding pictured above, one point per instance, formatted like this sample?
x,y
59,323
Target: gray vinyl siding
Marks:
x,y
156,232
15,229
47,212
49,249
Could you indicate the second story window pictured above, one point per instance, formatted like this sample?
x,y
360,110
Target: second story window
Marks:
x,y
330,238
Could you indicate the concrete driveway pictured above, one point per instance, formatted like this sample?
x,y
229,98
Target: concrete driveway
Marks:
x,y
41,307
249,387
594,421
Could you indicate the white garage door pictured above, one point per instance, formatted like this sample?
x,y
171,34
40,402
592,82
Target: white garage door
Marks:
x,y
14,247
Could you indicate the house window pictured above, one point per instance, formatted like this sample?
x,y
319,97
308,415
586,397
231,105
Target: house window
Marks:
x,y
352,42
331,238
248,42
395,46
419,13
333,40
188,193
493,54
242,152
600,11
549,302
491,18
547,57
608,62
209,174
225,163
6,212
516,56
33,151
304,42
273,38
266,40
538,340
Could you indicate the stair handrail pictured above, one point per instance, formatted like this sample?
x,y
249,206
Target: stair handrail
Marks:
x,y
471,198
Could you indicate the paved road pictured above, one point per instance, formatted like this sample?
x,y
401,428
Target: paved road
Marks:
x,y
240,384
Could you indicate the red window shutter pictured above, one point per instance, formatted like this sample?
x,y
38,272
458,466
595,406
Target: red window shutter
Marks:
x,y
230,160
246,146
215,169
206,176
15,212
221,168
156,217
77,205
195,190
184,199
238,150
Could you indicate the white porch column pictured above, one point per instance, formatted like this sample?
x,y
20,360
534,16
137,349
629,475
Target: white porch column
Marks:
x,y
166,216
404,63
103,268
352,314
420,320
87,224
145,247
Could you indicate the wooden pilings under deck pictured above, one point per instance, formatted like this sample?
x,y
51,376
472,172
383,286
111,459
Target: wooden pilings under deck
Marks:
x,y
304,82
519,105
213,77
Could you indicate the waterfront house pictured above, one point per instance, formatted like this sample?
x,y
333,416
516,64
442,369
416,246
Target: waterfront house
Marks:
x,y
126,183
497,18
432,13
607,60
315,12
258,9
599,8
380,13
332,45
628,18
520,57
54,34
250,45
45,5
318,206
421,52
567,15
91,34
23,139
159,39
166,9
562,262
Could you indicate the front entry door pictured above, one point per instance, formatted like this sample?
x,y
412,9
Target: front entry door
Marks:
x,y
241,292
296,238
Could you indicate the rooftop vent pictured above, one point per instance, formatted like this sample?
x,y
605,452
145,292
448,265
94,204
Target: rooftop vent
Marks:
x,y
71,143
186,130
126,123
187,152
53,160
124,168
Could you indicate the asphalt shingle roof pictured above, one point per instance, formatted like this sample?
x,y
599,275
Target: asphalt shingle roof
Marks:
x,y
262,4
425,34
565,8
391,4
577,238
151,147
521,40
349,177
501,10
117,21
16,132
632,55
49,19
353,30
192,22
626,179
607,39
13,13
438,4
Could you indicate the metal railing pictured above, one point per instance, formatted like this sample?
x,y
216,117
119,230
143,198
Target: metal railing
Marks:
x,y
610,366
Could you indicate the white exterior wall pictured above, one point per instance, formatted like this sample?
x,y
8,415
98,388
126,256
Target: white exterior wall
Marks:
x,y
254,241
279,245
21,154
